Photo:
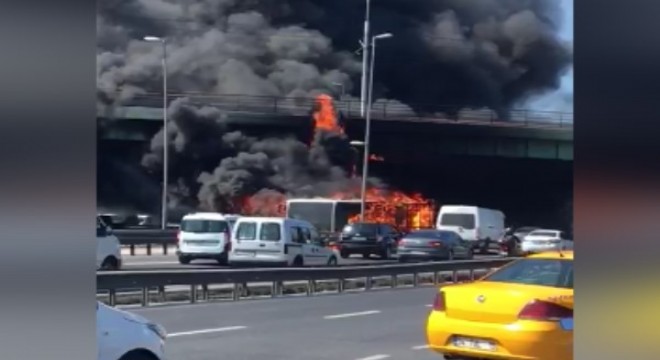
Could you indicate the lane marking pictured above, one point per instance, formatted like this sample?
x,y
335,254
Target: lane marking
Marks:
x,y
420,347
128,263
361,313
429,305
375,357
206,331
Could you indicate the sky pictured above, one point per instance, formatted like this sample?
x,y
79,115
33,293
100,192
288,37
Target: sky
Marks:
x,y
562,99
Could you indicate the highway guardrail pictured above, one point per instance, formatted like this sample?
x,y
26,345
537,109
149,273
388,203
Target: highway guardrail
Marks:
x,y
196,285
148,238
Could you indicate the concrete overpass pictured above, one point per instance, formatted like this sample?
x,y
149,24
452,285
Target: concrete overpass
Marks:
x,y
527,134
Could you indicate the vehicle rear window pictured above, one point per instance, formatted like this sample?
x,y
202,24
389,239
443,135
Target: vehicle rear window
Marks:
x,y
544,272
544,233
246,231
424,234
270,232
204,226
466,221
360,228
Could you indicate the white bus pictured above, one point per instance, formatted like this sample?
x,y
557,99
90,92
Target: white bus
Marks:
x,y
327,215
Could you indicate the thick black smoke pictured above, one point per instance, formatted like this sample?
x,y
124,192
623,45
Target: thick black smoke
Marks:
x,y
462,54
227,168
456,53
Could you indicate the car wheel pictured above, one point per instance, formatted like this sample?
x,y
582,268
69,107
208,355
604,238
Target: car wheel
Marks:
x,y
344,254
109,264
298,262
332,261
386,254
222,259
184,260
139,355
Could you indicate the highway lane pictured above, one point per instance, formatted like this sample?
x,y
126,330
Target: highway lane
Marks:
x,y
383,324
170,262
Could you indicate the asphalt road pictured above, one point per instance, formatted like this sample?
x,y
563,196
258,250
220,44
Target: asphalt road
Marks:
x,y
383,324
170,262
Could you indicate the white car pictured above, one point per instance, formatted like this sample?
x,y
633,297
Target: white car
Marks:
x,y
545,240
205,236
276,241
121,335
108,248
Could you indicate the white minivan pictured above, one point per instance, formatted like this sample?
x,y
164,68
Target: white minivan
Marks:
x,y
108,248
276,241
121,335
478,225
205,235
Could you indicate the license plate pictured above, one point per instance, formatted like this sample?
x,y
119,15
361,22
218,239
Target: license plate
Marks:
x,y
417,253
475,344
359,238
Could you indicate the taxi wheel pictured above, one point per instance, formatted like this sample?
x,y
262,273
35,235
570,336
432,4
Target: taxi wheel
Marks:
x,y
184,260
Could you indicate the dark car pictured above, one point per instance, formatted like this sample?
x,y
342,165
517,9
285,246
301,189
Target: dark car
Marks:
x,y
433,245
367,239
510,242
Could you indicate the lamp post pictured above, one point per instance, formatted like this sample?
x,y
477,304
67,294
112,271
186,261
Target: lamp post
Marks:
x,y
365,59
367,130
163,218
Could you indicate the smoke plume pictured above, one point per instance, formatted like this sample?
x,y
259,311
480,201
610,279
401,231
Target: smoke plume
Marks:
x,y
457,53
446,56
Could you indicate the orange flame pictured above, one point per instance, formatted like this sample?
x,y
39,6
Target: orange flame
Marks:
x,y
325,116
406,212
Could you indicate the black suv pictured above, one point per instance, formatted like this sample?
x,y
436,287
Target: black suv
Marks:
x,y
368,238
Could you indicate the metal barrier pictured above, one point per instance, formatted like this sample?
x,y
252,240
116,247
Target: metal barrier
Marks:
x,y
116,282
381,110
147,237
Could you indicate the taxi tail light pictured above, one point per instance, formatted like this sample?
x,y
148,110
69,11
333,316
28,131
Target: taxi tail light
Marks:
x,y
544,311
439,302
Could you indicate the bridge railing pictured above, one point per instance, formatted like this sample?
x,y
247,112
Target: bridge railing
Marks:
x,y
381,110
137,286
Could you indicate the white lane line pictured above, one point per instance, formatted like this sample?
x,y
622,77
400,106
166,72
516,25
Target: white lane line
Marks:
x,y
420,347
341,316
375,357
206,331
429,305
150,263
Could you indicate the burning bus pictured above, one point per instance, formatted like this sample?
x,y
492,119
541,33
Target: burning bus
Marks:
x,y
330,216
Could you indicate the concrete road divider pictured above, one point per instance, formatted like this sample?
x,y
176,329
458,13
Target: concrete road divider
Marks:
x,y
202,285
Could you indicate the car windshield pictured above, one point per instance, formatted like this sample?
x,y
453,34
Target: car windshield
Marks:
x,y
543,272
204,226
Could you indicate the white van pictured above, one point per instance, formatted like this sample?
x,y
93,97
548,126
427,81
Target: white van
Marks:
x,y
276,241
121,335
205,236
108,248
478,225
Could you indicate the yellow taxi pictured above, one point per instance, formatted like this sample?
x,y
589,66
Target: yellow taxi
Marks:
x,y
518,311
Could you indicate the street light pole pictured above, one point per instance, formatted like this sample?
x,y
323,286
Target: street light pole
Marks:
x,y
163,201
365,59
367,129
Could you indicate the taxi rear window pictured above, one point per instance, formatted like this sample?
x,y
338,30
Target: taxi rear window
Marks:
x,y
544,272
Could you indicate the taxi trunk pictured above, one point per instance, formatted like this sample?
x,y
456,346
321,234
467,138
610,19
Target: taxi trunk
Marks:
x,y
494,302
